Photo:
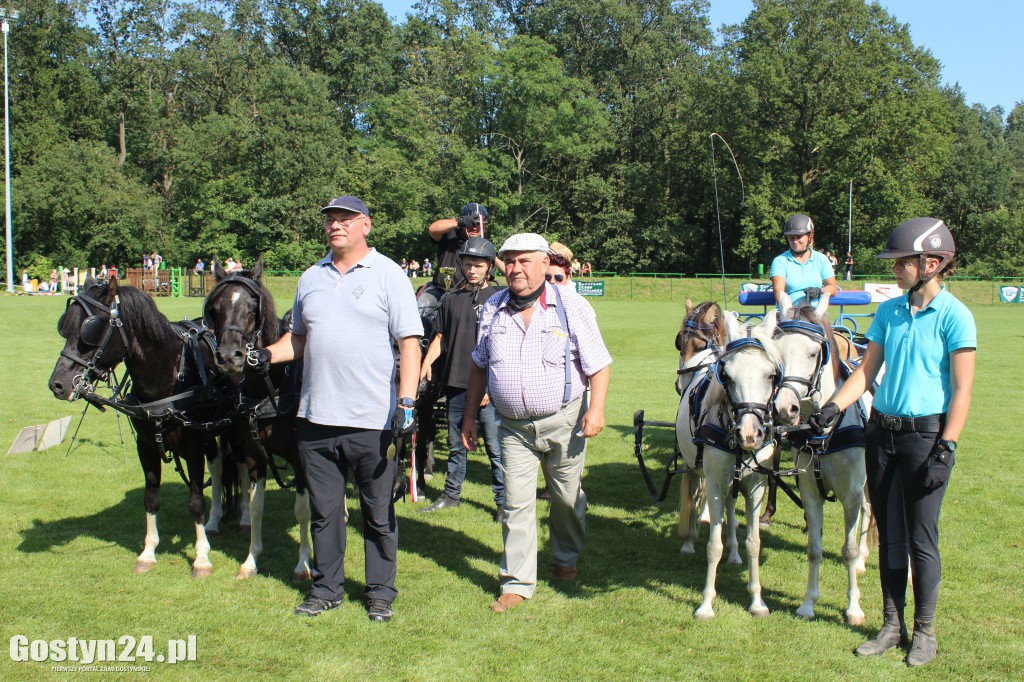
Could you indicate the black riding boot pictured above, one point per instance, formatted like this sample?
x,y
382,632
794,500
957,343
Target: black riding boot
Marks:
x,y
923,648
892,635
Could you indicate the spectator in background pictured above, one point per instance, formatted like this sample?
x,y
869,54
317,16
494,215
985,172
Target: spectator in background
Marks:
x,y
587,270
200,266
849,266
405,267
147,262
53,280
26,283
103,273
414,268
428,269
833,261
574,268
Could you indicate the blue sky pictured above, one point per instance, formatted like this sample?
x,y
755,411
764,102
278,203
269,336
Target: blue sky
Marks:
x,y
979,42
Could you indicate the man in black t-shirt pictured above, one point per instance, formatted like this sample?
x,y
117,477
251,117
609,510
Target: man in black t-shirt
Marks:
x,y
456,327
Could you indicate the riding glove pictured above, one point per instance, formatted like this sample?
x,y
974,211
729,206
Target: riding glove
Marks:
x,y
812,293
404,421
824,419
938,466
259,360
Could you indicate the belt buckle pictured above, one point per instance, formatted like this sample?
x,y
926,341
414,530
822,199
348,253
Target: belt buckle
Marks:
x,y
892,423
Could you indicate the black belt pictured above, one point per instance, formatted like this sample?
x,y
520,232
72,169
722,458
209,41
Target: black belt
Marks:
x,y
931,423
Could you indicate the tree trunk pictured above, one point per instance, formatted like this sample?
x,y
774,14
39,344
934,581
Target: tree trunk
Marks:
x,y
120,139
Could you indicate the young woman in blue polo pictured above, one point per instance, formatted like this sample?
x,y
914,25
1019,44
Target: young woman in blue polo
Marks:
x,y
927,340
802,272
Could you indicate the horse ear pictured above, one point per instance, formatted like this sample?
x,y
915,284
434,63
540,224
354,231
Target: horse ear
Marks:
x,y
732,326
257,270
771,319
218,271
822,308
112,286
90,281
785,303
689,306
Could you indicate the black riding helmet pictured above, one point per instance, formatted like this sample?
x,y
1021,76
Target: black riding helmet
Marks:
x,y
478,247
921,237
472,210
798,224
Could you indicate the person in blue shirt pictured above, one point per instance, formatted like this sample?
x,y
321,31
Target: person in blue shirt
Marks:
x,y
928,341
802,272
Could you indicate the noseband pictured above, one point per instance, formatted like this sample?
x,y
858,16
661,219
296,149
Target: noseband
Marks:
x,y
816,333
251,340
94,332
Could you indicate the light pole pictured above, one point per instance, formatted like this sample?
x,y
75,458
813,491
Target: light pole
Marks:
x,y
5,26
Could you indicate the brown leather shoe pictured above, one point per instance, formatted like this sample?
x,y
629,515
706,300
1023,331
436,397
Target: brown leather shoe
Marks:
x,y
566,572
507,601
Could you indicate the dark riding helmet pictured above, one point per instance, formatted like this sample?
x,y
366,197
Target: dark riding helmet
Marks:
x,y
478,247
921,237
473,210
798,224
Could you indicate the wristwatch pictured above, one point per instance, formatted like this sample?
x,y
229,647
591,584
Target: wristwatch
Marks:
x,y
409,402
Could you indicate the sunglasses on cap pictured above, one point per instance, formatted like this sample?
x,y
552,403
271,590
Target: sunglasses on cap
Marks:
x,y
557,278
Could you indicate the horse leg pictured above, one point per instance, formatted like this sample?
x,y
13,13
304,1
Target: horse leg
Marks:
x,y
868,532
216,495
196,464
852,503
732,525
246,473
814,515
686,528
256,498
303,570
716,502
152,468
754,497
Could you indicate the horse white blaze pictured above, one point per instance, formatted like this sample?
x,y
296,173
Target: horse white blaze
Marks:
x,y
303,570
235,296
256,499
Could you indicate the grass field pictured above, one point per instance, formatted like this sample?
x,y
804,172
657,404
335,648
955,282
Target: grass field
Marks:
x,y
72,526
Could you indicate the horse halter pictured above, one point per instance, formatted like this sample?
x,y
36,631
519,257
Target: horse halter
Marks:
x,y
761,411
816,333
251,340
95,332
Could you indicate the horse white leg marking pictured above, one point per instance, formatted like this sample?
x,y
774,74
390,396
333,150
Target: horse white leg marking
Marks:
x,y
248,568
867,521
201,567
147,559
851,554
216,495
243,475
687,524
303,570
754,496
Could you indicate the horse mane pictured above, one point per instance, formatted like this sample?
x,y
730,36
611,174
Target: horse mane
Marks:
x,y
138,314
806,312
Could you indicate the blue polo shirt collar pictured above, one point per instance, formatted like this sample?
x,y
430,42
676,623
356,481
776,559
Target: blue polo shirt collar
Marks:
x,y
367,261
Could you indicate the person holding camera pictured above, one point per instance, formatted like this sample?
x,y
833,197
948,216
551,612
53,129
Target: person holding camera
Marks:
x,y
450,234
928,341
351,310
802,272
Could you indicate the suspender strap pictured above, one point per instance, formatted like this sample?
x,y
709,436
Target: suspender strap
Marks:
x,y
564,321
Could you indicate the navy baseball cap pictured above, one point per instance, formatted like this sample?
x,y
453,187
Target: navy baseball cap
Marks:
x,y
346,203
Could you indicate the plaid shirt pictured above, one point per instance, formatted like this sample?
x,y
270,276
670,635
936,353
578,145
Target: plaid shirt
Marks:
x,y
526,366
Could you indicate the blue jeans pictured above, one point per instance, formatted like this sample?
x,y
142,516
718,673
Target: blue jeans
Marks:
x,y
457,455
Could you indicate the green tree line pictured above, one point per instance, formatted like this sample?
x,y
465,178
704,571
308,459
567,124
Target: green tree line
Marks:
x,y
205,128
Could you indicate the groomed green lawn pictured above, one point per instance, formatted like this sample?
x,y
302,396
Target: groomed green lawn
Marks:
x,y
73,524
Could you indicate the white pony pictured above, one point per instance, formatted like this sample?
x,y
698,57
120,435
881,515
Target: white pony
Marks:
x,y
807,347
723,430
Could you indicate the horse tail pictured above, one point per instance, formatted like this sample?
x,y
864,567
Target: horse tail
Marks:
x,y
687,503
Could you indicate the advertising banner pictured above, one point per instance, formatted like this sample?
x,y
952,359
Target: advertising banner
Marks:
x,y
882,292
1011,294
589,287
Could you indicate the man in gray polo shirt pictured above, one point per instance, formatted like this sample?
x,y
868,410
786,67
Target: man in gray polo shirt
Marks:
x,y
351,309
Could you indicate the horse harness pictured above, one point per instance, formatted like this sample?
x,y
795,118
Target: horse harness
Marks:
x,y
816,333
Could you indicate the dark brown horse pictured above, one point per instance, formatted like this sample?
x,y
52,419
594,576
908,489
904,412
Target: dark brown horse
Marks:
x,y
171,385
240,311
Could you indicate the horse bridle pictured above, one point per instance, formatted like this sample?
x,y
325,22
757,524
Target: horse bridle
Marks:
x,y
816,333
251,339
761,411
97,333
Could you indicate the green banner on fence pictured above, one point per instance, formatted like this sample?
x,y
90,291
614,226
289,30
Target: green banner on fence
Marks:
x,y
1011,294
590,287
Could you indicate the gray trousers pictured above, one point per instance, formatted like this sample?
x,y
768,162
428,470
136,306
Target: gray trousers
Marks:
x,y
523,443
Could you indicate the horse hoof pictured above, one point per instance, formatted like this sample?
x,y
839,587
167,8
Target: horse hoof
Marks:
x,y
806,615
687,549
735,561
143,565
704,615
759,611
855,620
301,576
201,571
245,573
